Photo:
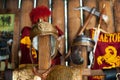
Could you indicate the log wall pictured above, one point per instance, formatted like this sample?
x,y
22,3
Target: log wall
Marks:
x,y
58,16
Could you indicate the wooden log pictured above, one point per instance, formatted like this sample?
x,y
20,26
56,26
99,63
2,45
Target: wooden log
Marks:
x,y
16,38
117,15
58,20
42,2
12,4
91,4
44,50
73,19
89,72
44,53
58,14
27,6
109,26
11,8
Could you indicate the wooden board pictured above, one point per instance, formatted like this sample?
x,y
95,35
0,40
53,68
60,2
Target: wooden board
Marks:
x,y
92,22
27,6
117,15
44,60
73,19
58,20
42,2
109,26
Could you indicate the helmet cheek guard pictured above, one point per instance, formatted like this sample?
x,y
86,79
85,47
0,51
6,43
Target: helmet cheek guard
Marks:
x,y
43,28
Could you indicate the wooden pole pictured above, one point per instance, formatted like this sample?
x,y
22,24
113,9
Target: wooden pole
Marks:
x,y
27,6
42,2
58,20
73,18
10,8
44,60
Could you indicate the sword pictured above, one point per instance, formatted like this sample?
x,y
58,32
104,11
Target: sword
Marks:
x,y
97,33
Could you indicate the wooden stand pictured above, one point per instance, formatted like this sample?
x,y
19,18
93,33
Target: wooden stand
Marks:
x,y
44,53
88,72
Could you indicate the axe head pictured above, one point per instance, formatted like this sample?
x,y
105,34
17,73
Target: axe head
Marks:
x,y
88,9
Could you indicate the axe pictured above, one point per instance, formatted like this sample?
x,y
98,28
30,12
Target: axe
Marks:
x,y
97,13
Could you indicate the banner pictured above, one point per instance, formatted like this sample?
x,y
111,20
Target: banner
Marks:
x,y
107,53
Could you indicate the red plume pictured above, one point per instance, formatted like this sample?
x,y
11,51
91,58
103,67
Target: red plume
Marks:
x,y
39,12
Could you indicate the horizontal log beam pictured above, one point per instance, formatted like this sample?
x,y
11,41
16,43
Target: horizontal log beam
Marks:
x,y
89,72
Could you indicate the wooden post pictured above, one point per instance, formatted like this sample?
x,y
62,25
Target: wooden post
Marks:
x,y
42,2
84,65
27,6
117,15
73,18
44,60
92,22
58,20
44,47
10,8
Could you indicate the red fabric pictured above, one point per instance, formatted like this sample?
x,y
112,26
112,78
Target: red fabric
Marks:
x,y
60,32
25,51
107,51
56,60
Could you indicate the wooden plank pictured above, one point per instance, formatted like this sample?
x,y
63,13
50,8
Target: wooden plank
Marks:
x,y
117,15
44,50
12,4
16,38
42,2
84,55
44,53
11,8
73,18
89,72
58,14
27,6
92,22
109,12
58,20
